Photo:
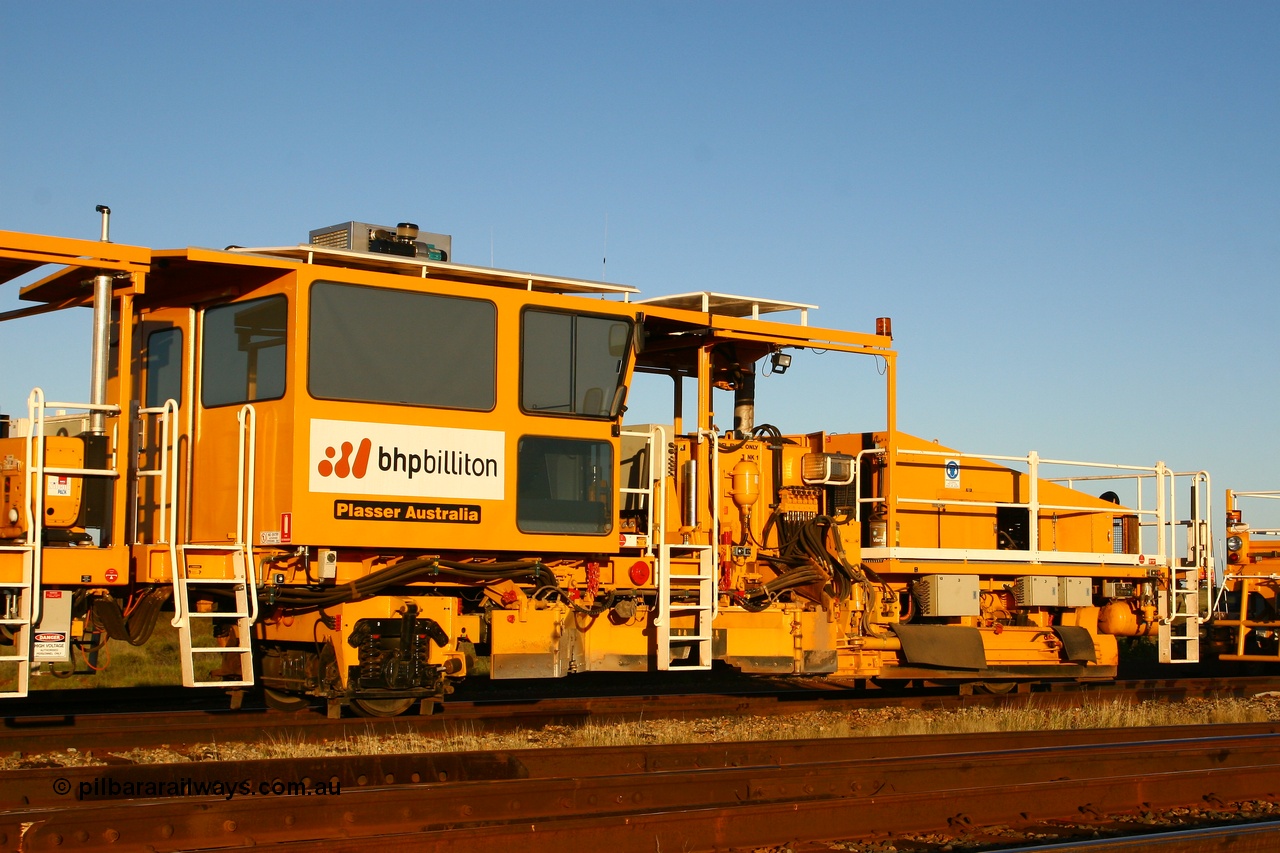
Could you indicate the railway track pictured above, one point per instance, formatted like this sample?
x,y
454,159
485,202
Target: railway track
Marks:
x,y
85,727
688,797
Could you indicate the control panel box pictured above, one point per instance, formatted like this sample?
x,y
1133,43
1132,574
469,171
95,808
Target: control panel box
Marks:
x,y
1075,592
947,595
1036,591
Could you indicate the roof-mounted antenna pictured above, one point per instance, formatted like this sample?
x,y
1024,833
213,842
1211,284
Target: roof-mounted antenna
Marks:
x,y
604,272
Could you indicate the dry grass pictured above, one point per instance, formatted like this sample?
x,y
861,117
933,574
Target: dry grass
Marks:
x,y
356,740
155,664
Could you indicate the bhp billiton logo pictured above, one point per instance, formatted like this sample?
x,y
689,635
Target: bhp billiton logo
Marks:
x,y
346,466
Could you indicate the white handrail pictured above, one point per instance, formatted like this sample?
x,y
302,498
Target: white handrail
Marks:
x,y
105,408
958,455
857,478
35,498
168,520
168,416
248,419
37,405
658,520
1163,519
714,512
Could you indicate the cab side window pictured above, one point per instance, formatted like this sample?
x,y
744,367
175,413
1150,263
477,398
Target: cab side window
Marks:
x,y
243,354
163,364
379,345
571,364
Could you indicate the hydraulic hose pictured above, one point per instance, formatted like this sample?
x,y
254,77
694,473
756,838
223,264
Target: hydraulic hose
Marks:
x,y
413,570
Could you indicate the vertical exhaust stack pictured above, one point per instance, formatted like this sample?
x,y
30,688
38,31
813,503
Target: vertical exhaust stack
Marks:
x,y
101,335
744,402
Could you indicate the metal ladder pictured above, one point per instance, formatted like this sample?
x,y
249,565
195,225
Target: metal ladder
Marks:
x,y
16,621
242,585
1179,632
654,437
1179,636
686,593
166,471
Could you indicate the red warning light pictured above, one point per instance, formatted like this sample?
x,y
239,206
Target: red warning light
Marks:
x,y
639,573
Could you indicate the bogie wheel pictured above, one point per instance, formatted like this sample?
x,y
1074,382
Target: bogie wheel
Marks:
x,y
382,707
287,702
995,688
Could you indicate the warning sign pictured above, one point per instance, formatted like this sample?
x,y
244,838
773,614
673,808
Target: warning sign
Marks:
x,y
951,473
52,637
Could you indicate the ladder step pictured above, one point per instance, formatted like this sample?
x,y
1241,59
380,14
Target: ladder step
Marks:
x,y
241,683
687,607
698,639
227,581
198,615
208,650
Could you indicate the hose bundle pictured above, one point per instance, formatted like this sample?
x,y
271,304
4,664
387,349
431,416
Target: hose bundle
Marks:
x,y
408,571
141,620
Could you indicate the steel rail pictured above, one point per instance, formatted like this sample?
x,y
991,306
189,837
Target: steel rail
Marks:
x,y
754,826
33,733
1237,838
970,788
36,786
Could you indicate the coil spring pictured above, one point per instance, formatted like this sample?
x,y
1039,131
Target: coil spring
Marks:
x,y
370,660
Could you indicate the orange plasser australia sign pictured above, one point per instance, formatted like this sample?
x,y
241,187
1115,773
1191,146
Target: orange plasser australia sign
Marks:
x,y
353,457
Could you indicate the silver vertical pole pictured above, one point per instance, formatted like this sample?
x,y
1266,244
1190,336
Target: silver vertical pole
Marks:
x,y
101,335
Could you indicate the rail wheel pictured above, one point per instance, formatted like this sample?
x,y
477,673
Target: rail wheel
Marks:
x,y
382,707
278,701
995,688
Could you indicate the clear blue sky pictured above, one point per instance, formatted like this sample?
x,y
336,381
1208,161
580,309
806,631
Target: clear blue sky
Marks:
x,y
1071,211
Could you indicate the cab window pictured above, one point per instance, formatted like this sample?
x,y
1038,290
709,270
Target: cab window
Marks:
x,y
564,485
571,364
242,357
163,363
379,345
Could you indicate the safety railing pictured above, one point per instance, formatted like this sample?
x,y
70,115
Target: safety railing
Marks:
x,y
38,471
1155,507
246,487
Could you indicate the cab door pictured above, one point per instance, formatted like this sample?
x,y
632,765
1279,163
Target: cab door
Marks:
x,y
241,386
162,424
